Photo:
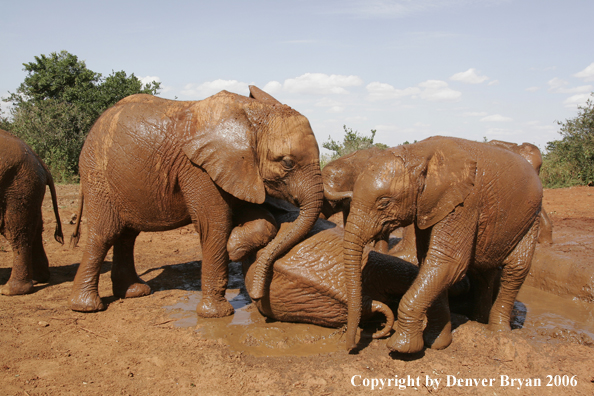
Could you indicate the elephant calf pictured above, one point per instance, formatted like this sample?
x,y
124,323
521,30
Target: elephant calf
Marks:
x,y
308,282
23,177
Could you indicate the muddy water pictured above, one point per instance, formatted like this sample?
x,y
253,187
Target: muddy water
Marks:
x,y
250,332
537,312
554,316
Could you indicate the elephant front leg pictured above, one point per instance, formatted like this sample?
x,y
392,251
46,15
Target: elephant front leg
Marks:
x,y
215,276
125,281
448,256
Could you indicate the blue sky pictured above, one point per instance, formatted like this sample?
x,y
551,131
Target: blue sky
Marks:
x,y
500,69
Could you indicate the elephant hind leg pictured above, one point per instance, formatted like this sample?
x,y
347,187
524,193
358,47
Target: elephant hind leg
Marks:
x,y
40,264
515,269
23,242
125,281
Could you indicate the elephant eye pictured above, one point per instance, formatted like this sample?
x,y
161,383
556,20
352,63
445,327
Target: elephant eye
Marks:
x,y
287,163
383,203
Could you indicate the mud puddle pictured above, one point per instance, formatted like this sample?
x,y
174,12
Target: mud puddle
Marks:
x,y
250,332
247,331
554,316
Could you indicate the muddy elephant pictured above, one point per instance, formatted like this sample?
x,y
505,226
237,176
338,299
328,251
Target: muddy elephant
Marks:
x,y
151,164
308,283
532,154
339,177
23,178
474,207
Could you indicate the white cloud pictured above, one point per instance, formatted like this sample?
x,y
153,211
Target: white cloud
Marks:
x,y
382,91
495,118
149,79
321,84
556,84
438,91
532,89
212,87
399,8
470,76
576,100
474,114
273,87
587,74
494,82
430,90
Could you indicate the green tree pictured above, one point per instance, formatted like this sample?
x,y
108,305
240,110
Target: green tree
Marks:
x,y
570,161
352,142
58,102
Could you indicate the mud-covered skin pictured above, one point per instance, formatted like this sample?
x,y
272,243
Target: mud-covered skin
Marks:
x,y
23,178
532,154
339,179
474,207
308,283
151,164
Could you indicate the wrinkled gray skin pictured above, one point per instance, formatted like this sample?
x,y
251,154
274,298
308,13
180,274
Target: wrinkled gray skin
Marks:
x,y
151,164
474,207
23,177
308,281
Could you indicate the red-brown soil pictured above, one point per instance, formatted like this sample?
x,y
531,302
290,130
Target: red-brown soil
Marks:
x,y
136,346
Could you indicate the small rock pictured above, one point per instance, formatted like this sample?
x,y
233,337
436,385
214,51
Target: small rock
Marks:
x,y
42,323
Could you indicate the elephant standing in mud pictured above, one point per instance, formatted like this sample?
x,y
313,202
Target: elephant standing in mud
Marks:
x,y
474,207
308,282
151,164
23,177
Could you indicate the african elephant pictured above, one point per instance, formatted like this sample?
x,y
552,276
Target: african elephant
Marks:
x,y
339,177
474,206
532,154
406,249
151,164
23,177
308,281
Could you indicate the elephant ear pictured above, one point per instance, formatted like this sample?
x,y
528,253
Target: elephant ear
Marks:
x,y
261,96
448,181
227,152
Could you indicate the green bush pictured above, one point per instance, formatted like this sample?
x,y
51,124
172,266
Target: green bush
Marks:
x,y
57,104
352,142
570,161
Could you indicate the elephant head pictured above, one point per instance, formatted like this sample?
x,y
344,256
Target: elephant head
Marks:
x,y
262,147
398,187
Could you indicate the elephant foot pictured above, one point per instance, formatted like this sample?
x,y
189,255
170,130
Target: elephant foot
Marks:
x,y
404,342
86,302
15,288
212,307
40,277
137,289
438,339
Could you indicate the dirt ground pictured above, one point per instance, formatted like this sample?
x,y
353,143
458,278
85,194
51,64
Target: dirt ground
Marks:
x,y
156,345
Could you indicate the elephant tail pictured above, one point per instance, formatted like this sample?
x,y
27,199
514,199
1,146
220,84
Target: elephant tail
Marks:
x,y
74,238
58,234
377,306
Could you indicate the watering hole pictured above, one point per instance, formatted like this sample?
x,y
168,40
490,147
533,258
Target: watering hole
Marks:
x,y
537,312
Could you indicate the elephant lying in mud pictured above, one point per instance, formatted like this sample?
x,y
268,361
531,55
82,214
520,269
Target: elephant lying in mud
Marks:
x,y
151,164
307,284
23,177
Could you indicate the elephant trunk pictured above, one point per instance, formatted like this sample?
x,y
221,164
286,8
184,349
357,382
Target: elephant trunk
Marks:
x,y
371,307
353,254
309,195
